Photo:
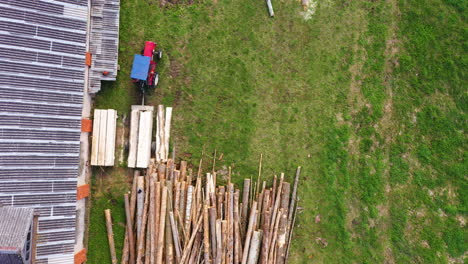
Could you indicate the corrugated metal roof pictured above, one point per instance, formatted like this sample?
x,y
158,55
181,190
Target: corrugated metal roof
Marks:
x,y
14,227
104,42
42,64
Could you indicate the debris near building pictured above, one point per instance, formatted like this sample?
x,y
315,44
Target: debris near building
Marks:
x,y
176,217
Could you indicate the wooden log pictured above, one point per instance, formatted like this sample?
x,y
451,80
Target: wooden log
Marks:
x,y
266,234
290,232
212,216
188,210
176,197
281,239
237,236
245,205
248,235
224,228
160,151
140,205
220,199
169,246
150,256
182,199
259,174
196,249
167,130
169,256
230,251
110,236
274,213
183,171
266,204
219,243
157,214
175,237
161,171
144,220
272,256
283,227
125,251
162,224
206,236
254,251
273,191
293,198
131,241
187,248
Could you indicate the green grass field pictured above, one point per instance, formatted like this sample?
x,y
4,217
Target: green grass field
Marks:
x,y
369,97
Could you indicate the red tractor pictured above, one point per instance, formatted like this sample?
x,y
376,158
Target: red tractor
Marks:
x,y
144,67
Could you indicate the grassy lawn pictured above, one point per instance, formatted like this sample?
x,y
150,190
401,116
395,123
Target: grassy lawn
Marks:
x,y
369,97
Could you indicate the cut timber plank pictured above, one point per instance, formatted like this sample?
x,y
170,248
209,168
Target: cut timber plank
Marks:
x,y
144,139
133,142
110,137
95,140
167,131
102,138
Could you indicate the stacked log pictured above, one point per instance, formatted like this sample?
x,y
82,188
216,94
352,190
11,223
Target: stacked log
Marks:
x,y
174,219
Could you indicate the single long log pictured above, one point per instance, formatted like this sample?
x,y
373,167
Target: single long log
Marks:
x,y
245,205
169,243
237,237
186,252
144,220
212,216
175,237
290,232
162,222
183,171
150,256
255,247
219,242
131,241
272,253
266,234
188,210
157,214
140,204
125,251
206,236
248,235
110,236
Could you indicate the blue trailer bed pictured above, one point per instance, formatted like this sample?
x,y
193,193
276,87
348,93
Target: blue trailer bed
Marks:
x,y
140,67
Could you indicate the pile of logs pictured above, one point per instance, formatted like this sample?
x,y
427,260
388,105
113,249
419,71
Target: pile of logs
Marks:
x,y
176,217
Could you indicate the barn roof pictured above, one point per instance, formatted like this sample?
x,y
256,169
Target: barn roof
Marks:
x,y
14,227
42,72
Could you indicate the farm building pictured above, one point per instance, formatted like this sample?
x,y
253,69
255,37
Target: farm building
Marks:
x,y
53,55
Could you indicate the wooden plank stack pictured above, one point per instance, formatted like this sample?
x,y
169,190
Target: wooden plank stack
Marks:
x,y
103,141
141,128
176,217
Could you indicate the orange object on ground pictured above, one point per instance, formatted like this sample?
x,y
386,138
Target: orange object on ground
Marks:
x,y
86,125
82,191
89,57
80,257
